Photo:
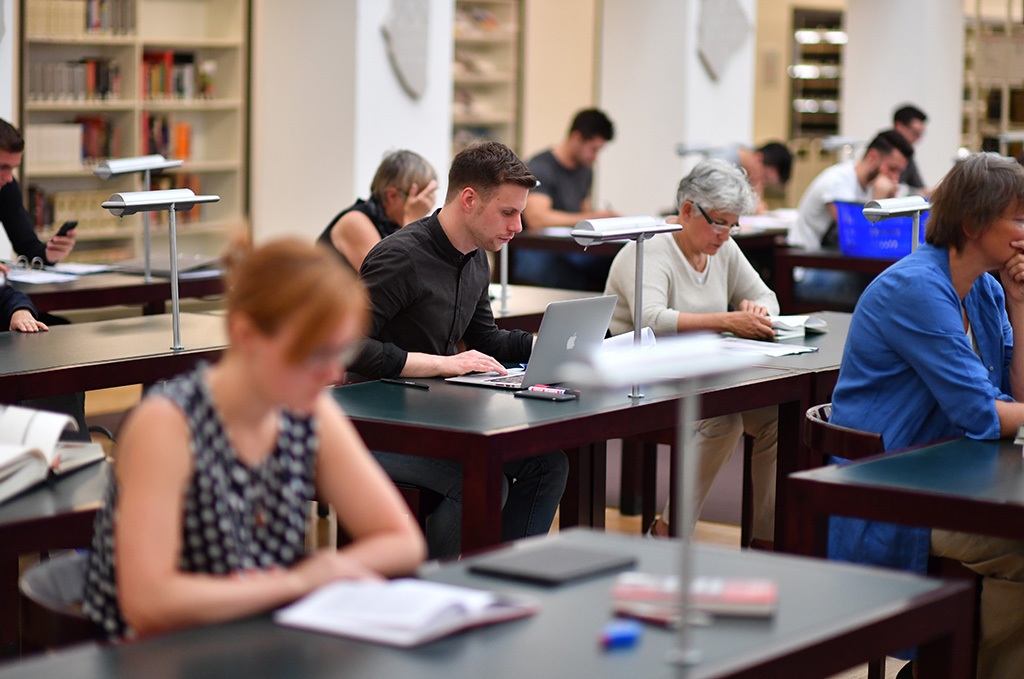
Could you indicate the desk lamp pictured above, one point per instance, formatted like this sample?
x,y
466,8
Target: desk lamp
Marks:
x,y
144,164
172,200
590,231
886,208
685,359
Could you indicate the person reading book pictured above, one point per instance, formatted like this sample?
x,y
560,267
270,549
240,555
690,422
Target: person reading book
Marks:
x,y
698,279
932,354
205,519
403,190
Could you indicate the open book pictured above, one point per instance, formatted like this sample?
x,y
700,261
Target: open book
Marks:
x,y
787,327
403,612
656,597
30,449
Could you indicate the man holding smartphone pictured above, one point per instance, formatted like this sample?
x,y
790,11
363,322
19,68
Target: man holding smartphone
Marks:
x,y
15,218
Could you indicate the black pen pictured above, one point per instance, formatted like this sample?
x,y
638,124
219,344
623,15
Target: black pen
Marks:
x,y
405,383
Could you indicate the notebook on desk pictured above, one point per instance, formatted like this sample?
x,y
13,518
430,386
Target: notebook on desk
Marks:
x,y
570,330
551,564
160,264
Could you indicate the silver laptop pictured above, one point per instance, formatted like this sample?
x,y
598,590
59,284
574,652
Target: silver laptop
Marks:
x,y
160,263
570,330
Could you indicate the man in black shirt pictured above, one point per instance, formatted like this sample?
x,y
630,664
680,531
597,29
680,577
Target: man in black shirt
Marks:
x,y
12,207
428,285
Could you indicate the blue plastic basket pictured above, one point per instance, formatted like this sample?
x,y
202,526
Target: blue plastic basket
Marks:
x,y
889,239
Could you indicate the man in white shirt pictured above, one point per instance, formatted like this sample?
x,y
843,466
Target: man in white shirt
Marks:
x,y
876,175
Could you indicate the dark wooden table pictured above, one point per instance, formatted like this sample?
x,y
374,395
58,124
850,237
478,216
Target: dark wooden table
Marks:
x,y
830,617
113,289
57,514
483,428
527,303
788,258
963,484
103,354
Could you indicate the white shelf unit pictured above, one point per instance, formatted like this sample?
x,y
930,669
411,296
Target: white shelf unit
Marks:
x,y
195,39
486,72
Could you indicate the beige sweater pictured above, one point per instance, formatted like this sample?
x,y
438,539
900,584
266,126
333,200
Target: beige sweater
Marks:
x,y
669,288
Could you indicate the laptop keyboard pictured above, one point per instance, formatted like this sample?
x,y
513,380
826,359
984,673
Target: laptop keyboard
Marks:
x,y
506,381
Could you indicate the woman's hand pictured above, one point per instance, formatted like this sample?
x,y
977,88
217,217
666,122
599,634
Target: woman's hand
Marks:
x,y
753,307
23,321
328,565
1012,275
419,203
750,325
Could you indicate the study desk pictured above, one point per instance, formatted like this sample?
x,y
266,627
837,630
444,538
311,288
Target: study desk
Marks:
x,y
962,484
114,289
830,617
824,363
788,258
483,428
56,514
527,304
102,354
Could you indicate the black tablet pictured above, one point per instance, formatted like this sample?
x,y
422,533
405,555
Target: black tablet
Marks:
x,y
551,564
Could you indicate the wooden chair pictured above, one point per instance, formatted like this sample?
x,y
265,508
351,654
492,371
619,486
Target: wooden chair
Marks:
x,y
827,439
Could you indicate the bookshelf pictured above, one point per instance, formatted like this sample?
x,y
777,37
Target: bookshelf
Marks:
x,y
993,107
118,78
485,99
815,72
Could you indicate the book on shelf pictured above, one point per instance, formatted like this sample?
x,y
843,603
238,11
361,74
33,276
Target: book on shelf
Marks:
x,y
76,18
30,450
404,612
655,598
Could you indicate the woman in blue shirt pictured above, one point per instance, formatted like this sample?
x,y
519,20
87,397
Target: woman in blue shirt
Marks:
x,y
930,355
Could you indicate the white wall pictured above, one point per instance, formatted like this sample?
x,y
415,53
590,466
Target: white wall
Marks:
x,y
900,52
656,90
326,106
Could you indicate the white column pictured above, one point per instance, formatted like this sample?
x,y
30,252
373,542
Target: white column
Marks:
x,y
657,91
910,51
326,107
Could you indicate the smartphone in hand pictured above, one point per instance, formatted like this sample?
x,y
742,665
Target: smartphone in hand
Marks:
x,y
65,227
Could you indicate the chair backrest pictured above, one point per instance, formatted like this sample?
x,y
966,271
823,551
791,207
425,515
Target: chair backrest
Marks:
x,y
51,615
825,438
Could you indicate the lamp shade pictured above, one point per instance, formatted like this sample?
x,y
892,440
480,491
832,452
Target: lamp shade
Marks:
x,y
130,202
590,231
116,166
885,208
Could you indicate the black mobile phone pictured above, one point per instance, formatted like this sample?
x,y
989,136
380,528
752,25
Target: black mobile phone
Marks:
x,y
545,395
65,227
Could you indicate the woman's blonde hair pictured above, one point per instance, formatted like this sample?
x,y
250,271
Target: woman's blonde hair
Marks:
x,y
401,169
289,281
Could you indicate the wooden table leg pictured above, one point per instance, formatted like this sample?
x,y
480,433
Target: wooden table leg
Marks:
x,y
10,607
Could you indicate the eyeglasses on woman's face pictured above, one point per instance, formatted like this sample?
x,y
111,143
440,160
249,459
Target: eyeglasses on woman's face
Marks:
x,y
719,227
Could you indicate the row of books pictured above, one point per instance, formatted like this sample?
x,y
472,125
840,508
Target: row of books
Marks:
x,y
93,78
160,134
175,75
44,18
87,140
49,209
178,180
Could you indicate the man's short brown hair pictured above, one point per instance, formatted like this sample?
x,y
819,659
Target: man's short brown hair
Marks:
x,y
11,140
972,196
484,167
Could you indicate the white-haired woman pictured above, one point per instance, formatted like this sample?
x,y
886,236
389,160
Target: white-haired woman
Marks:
x,y
698,279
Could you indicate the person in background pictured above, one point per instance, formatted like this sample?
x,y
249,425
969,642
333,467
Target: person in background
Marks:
x,y
15,218
873,177
562,198
698,279
428,287
769,165
910,122
205,520
17,312
931,354
403,190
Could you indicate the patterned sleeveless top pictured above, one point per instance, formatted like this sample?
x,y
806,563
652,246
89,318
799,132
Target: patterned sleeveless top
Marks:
x,y
235,517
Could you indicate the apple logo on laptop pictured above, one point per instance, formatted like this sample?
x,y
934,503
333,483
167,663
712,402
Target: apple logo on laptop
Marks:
x,y
571,343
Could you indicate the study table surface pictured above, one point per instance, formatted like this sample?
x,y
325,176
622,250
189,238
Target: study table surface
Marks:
x,y
109,353
526,305
961,484
113,289
829,617
483,428
55,514
786,259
